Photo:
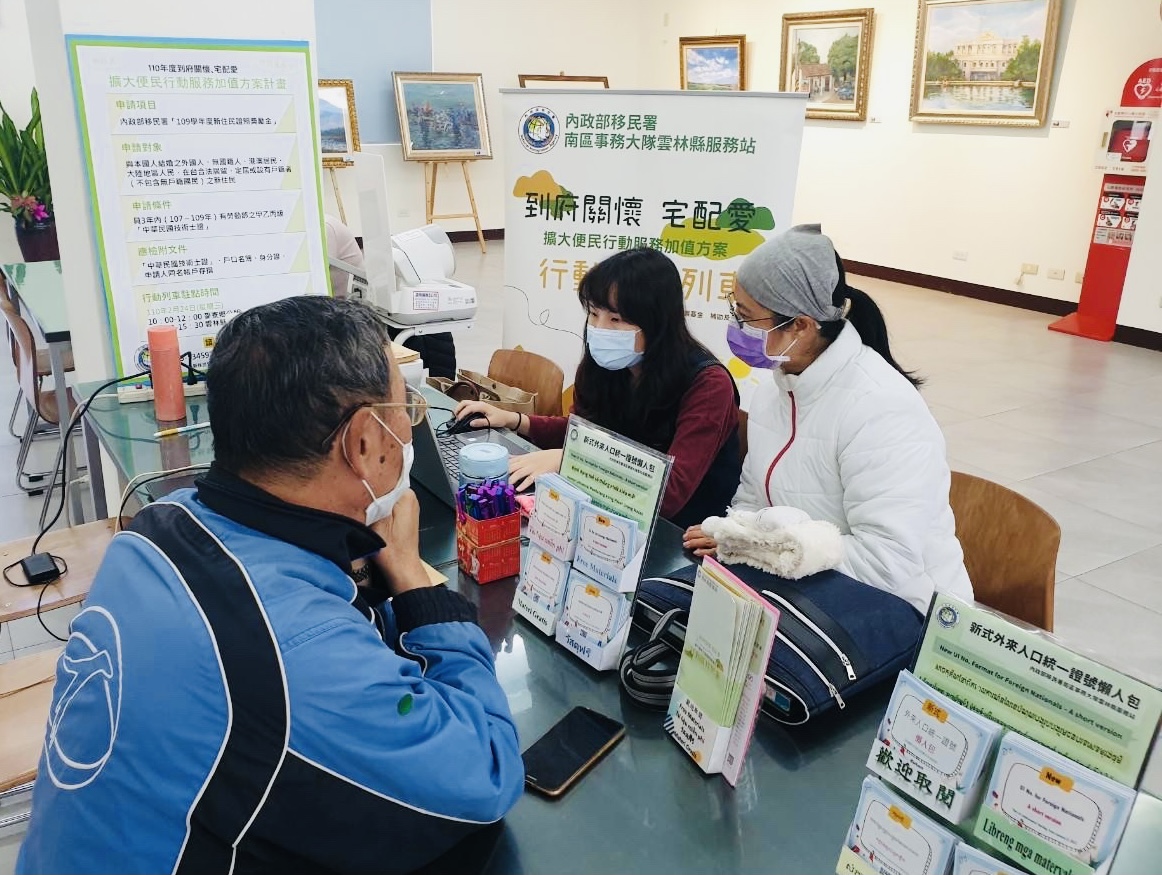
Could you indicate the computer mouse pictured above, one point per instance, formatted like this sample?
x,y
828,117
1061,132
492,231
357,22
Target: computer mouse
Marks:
x,y
464,424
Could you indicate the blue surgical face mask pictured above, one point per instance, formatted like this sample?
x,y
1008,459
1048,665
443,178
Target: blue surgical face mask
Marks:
x,y
613,349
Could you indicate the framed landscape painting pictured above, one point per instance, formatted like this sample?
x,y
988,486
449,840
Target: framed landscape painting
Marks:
x,y
338,125
984,62
441,116
712,63
827,55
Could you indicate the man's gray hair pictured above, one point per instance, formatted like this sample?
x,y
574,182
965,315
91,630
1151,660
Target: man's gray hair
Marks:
x,y
282,376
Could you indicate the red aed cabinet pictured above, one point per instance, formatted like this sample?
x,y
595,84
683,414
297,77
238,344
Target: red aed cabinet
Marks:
x,y
1124,157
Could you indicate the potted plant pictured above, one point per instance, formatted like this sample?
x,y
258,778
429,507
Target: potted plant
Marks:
x,y
24,186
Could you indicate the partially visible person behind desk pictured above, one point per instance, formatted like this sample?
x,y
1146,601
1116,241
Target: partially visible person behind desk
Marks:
x,y
841,433
644,376
229,699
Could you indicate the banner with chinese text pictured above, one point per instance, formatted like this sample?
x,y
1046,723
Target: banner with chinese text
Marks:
x,y
703,177
203,173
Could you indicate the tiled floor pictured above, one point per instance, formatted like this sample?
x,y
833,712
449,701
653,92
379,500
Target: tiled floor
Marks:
x,y
1075,425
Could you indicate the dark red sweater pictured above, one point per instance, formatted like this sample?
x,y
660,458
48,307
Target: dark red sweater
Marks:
x,y
707,416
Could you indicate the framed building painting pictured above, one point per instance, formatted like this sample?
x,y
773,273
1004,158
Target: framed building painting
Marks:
x,y
712,63
984,62
827,55
338,124
442,116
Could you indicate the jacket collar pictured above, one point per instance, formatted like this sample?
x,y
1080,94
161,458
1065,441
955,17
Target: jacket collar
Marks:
x,y
330,535
810,384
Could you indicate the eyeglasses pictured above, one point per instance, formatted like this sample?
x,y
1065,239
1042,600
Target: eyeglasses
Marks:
x,y
738,319
415,404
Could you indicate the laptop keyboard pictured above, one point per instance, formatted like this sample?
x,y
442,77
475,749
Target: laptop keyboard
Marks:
x,y
450,454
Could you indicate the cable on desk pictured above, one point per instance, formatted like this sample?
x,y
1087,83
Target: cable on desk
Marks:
x,y
149,477
78,413
62,567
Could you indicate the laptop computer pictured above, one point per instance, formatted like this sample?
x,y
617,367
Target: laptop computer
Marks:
x,y
437,456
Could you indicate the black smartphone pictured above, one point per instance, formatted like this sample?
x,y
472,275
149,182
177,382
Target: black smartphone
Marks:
x,y
562,755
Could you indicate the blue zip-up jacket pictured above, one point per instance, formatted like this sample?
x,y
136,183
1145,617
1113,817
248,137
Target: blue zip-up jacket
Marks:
x,y
227,703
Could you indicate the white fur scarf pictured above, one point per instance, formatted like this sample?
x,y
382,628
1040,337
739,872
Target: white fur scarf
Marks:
x,y
783,541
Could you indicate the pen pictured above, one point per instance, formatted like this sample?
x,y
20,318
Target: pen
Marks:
x,y
181,429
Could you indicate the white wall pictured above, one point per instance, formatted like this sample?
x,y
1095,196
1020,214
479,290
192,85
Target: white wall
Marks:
x,y
502,38
908,195
16,81
891,192
1142,294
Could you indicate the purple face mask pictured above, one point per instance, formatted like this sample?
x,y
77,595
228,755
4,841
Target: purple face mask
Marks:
x,y
749,344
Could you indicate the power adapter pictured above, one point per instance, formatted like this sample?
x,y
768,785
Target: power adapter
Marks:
x,y
40,568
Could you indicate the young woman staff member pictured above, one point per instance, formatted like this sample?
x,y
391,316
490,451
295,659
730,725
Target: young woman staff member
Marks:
x,y
643,375
841,433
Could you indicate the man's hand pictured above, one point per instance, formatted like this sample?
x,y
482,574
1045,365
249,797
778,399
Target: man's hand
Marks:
x,y
523,470
698,542
399,560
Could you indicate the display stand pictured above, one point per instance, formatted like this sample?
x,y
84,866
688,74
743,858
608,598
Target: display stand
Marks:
x,y
1124,151
431,173
330,166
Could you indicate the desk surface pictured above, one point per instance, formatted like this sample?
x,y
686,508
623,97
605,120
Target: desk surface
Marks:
x,y
82,547
41,290
646,808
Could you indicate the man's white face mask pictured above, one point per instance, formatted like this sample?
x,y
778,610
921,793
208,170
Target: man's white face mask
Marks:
x,y
381,507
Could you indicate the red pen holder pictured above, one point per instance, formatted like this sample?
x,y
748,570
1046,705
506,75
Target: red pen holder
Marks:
x,y
489,550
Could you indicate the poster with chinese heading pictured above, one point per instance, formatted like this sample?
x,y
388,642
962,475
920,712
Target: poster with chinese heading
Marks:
x,y
704,177
203,175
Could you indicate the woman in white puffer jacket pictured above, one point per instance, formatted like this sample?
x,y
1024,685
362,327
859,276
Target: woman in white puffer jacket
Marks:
x,y
842,432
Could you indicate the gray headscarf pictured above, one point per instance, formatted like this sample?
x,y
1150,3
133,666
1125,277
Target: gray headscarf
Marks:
x,y
794,274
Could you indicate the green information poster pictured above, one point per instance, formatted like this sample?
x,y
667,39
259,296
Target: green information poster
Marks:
x,y
1023,679
622,476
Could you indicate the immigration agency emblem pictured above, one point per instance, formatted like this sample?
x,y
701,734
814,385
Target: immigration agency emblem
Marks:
x,y
539,130
86,701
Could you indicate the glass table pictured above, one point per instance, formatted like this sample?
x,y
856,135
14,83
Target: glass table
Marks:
x,y
646,807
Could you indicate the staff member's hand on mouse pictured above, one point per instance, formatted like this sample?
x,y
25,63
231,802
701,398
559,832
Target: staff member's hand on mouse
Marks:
x,y
524,469
698,542
485,414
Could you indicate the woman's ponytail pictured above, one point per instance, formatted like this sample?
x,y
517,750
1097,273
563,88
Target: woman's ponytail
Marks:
x,y
865,316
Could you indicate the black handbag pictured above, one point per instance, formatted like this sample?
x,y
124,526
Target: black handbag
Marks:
x,y
836,637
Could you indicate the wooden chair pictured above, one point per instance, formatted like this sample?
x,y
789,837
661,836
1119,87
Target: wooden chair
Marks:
x,y
26,686
1010,548
533,373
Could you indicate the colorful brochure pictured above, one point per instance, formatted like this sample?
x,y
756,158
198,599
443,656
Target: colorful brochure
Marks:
x,y
933,749
893,838
720,682
607,544
557,515
594,621
541,590
1047,813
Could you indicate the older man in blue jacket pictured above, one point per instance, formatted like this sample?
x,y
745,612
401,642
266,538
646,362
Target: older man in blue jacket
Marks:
x,y
263,678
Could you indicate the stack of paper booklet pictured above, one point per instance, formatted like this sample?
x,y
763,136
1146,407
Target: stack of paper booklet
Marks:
x,y
720,677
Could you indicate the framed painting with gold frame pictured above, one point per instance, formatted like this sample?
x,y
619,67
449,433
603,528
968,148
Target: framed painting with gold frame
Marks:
x,y
827,55
536,80
338,124
712,63
984,62
442,116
